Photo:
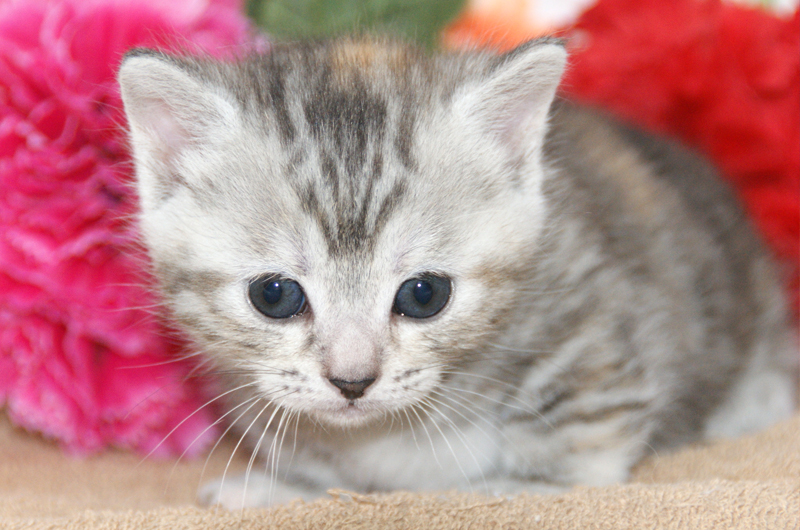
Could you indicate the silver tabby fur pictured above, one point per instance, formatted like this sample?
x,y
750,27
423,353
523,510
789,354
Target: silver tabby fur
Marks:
x,y
608,297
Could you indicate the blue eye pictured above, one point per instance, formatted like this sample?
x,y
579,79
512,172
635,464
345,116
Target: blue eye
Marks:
x,y
422,297
277,297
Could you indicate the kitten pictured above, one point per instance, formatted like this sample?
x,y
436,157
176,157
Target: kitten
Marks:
x,y
418,272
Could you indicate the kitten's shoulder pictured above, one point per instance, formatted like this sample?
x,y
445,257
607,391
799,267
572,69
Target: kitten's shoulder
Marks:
x,y
649,175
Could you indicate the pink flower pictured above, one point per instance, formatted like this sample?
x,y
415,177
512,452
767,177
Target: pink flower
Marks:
x,y
83,357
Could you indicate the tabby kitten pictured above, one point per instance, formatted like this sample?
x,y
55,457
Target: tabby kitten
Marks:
x,y
422,273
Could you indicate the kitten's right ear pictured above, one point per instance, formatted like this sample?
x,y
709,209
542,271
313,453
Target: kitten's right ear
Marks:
x,y
169,108
511,102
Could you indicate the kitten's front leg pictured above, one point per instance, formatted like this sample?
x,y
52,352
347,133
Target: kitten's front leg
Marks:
x,y
259,491
594,453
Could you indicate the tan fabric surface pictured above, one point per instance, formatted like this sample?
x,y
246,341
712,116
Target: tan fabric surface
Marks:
x,y
749,483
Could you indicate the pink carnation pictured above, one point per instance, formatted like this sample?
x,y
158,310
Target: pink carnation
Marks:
x,y
83,358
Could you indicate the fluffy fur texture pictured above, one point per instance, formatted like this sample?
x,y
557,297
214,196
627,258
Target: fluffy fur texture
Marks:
x,y
607,299
679,68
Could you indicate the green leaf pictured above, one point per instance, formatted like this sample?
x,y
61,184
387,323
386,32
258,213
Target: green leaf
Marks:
x,y
417,20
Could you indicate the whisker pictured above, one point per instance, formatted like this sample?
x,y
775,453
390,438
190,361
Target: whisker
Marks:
x,y
527,409
443,396
254,452
250,371
447,442
239,442
470,406
502,348
498,382
201,369
461,436
277,454
428,434
294,444
216,422
244,434
411,426
176,359
198,409
254,400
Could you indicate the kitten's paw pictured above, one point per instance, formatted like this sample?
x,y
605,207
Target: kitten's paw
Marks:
x,y
759,399
236,493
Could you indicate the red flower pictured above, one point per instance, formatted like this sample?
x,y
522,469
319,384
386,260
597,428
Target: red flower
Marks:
x,y
722,77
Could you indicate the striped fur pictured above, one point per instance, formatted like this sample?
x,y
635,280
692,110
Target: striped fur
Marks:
x,y
608,297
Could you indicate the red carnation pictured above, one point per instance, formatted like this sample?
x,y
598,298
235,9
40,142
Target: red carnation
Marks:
x,y
724,78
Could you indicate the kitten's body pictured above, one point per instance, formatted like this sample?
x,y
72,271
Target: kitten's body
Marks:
x,y
607,297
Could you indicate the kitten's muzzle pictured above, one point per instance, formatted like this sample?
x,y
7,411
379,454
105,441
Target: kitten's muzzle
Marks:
x,y
352,389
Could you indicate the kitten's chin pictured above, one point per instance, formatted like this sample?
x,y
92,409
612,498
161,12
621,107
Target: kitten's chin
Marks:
x,y
349,415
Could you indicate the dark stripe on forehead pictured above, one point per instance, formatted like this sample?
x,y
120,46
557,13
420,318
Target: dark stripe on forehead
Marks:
x,y
331,174
404,137
350,226
348,120
310,204
377,167
366,200
390,203
277,94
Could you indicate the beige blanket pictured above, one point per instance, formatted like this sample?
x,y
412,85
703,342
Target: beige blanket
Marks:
x,y
749,483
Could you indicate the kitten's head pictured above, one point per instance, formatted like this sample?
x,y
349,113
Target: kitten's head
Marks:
x,y
342,223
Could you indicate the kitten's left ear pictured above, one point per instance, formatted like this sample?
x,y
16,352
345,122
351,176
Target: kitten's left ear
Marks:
x,y
172,110
512,102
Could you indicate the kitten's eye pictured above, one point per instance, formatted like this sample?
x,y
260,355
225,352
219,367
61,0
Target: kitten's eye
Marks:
x,y
422,297
277,297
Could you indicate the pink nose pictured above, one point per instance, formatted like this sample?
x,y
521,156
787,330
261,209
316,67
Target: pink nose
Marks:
x,y
352,389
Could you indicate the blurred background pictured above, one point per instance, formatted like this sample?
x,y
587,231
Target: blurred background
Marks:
x,y
450,22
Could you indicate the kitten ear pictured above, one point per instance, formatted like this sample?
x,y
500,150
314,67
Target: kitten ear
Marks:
x,y
512,102
169,109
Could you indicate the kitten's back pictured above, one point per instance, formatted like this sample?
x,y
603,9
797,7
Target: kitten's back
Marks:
x,y
662,213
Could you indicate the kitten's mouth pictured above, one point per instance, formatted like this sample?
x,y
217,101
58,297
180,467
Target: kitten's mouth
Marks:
x,y
352,408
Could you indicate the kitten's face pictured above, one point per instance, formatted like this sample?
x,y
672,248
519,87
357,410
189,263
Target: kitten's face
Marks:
x,y
344,244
